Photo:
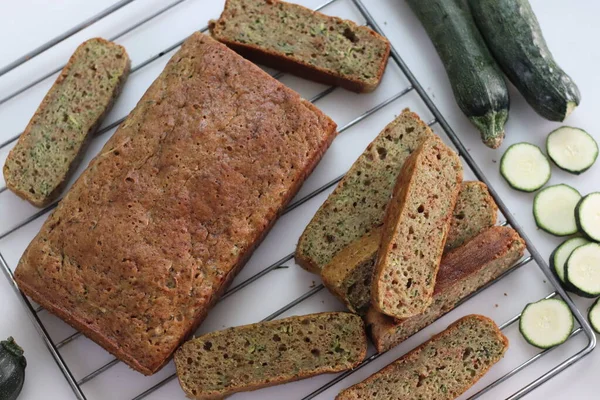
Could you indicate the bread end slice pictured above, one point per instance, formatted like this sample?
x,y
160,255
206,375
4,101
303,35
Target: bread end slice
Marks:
x,y
416,225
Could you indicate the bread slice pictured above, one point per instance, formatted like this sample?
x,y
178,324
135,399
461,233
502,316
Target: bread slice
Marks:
x,y
348,276
462,271
254,356
358,203
475,210
417,222
293,38
57,135
161,221
442,368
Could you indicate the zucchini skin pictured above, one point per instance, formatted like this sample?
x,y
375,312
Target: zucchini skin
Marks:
x,y
12,369
512,33
477,82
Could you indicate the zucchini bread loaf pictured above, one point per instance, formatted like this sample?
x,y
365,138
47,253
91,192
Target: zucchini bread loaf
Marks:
x,y
349,274
358,203
442,368
162,219
254,356
293,38
57,135
417,221
462,271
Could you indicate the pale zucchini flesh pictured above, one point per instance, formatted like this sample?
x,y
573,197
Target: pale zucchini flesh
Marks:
x,y
554,209
525,167
587,216
559,257
583,270
594,316
572,149
546,323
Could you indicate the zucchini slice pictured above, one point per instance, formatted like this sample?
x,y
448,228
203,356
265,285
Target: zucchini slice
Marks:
x,y
554,209
525,167
572,149
546,323
513,35
559,257
587,216
594,316
583,270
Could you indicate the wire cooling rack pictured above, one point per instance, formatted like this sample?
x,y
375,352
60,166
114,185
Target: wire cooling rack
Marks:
x,y
58,340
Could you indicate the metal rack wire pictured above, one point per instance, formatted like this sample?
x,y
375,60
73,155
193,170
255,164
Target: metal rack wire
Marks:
x,y
439,119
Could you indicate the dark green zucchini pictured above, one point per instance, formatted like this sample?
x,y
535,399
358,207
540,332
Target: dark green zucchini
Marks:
x,y
477,82
12,369
514,37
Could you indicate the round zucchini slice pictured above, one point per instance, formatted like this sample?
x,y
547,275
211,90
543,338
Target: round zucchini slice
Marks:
x,y
559,257
583,270
587,216
572,149
546,323
554,209
594,316
525,167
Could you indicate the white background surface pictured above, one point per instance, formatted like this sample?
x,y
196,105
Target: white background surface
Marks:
x,y
571,31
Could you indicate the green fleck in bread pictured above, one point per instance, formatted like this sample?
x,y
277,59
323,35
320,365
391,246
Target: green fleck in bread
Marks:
x,y
348,275
475,210
254,356
416,225
358,203
293,38
442,368
57,135
462,271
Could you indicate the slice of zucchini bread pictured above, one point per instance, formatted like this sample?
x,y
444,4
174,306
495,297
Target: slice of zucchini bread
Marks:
x,y
57,135
254,356
348,276
442,368
161,221
417,222
293,38
462,271
358,202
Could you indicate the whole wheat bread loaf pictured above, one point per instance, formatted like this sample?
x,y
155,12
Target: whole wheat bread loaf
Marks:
x,y
442,368
164,217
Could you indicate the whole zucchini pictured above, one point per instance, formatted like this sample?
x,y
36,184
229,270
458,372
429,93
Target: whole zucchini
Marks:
x,y
513,34
12,369
477,82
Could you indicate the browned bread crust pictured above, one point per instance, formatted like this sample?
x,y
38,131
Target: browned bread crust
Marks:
x,y
251,357
462,271
298,65
442,368
163,218
55,139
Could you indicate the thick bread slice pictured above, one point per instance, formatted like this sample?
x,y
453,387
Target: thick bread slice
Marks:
x,y
254,356
442,368
462,272
348,276
293,38
161,221
416,224
358,203
50,148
